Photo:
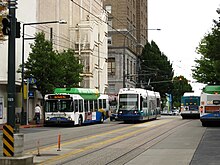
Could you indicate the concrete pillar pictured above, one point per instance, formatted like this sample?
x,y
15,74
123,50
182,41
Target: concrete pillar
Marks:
x,y
18,158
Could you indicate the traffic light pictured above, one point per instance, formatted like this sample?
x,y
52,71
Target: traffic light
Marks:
x,y
18,30
6,26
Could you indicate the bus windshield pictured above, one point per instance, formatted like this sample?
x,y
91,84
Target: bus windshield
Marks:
x,y
58,106
128,102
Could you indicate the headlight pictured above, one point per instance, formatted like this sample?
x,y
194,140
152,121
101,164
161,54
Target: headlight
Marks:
x,y
69,118
47,118
120,112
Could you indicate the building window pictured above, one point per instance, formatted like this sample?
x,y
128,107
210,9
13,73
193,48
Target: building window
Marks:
x,y
111,66
108,8
112,88
109,40
109,25
127,66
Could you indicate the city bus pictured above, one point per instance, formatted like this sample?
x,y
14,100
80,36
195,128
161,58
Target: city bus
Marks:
x,y
190,102
75,106
210,105
136,104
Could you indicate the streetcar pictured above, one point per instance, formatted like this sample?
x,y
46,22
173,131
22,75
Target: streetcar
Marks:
x,y
75,106
210,105
136,104
190,102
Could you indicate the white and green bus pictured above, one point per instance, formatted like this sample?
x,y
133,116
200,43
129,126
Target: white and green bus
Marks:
x,y
75,106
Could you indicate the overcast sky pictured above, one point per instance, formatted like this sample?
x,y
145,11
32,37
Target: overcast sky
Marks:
x,y
183,24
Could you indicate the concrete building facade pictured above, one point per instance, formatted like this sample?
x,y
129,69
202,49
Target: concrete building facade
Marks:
x,y
127,35
85,32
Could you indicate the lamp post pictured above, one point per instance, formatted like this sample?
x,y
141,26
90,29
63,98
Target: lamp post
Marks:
x,y
22,61
124,51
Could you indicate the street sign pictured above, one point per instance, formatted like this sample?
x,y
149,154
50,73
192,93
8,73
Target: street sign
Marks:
x,y
32,80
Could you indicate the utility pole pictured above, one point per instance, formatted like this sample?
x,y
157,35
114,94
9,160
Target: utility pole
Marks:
x,y
11,63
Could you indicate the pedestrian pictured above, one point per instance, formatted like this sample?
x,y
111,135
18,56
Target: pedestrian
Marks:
x,y
37,115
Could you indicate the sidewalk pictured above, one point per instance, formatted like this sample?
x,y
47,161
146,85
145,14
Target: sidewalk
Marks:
x,y
30,125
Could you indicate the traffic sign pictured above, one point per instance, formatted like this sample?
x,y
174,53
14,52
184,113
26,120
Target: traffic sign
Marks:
x,y
32,80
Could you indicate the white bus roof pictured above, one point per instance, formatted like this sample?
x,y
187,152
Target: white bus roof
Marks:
x,y
191,94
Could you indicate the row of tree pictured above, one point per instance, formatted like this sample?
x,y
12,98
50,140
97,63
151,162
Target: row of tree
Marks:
x,y
157,72
51,68
57,69
207,69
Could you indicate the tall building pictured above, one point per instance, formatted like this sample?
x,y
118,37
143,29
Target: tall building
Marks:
x,y
127,35
85,32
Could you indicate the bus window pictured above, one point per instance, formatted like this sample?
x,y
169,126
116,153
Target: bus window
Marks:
x,y
91,105
80,105
86,105
76,106
100,103
104,104
96,105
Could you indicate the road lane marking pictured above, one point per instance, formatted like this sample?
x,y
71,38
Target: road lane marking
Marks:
x,y
98,144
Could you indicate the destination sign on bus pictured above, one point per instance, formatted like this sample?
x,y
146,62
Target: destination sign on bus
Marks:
x,y
59,97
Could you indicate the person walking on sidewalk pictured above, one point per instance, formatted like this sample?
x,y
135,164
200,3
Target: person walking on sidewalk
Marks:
x,y
37,115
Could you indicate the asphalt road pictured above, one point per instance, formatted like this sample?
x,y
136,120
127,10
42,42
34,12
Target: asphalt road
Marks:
x,y
168,141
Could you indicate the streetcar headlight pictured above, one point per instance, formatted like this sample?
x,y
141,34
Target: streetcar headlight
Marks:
x,y
47,118
69,118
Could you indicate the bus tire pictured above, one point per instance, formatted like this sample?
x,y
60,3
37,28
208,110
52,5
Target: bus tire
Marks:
x,y
80,121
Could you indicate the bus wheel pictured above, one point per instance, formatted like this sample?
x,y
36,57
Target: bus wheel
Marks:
x,y
80,121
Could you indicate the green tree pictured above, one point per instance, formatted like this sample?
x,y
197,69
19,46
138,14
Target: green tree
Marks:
x,y
50,68
207,68
156,69
180,86
70,70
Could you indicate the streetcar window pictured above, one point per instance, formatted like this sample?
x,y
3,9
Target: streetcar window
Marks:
x,y
144,103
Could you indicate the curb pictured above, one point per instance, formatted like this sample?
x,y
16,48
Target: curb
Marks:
x,y
24,126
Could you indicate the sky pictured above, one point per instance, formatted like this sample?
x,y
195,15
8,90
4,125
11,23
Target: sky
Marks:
x,y
183,24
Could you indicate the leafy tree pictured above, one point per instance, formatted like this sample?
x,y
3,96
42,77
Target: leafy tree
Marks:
x,y
50,68
180,86
70,72
207,69
156,69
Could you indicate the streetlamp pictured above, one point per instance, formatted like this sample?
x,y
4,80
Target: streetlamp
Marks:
x,y
124,51
22,65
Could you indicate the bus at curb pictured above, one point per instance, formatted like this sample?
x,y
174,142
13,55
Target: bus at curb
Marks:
x,y
75,106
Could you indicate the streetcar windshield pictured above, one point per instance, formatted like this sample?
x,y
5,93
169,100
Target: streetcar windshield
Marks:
x,y
58,106
128,102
